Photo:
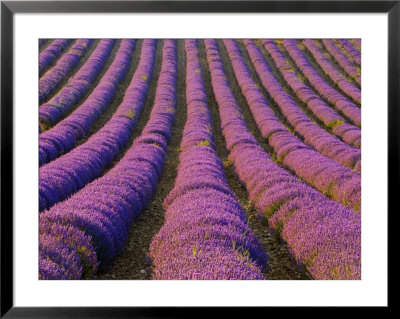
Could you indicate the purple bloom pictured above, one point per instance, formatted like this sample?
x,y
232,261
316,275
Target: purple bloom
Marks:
x,y
347,87
52,78
324,236
348,108
51,52
104,209
69,173
205,234
77,85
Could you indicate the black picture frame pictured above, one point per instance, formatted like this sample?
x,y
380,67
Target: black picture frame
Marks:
x,y
9,8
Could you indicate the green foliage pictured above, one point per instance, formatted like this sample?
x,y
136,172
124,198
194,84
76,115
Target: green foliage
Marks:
x,y
333,124
204,143
270,211
196,251
131,114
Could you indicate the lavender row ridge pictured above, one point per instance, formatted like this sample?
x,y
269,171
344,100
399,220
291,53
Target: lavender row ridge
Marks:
x,y
327,176
41,42
93,224
323,236
314,136
52,78
77,85
340,102
63,136
343,61
205,234
347,87
351,135
356,44
350,50
73,170
52,52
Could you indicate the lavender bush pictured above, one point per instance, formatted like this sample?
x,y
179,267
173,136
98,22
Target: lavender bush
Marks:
x,y
52,78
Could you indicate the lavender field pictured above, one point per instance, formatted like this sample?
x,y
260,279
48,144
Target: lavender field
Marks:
x,y
200,159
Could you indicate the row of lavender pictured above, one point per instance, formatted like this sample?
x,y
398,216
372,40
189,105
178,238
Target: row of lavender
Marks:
x,y
63,136
70,172
41,42
357,44
313,134
77,85
328,176
59,141
345,85
89,229
342,60
330,118
205,234
324,236
52,78
51,53
355,55
338,100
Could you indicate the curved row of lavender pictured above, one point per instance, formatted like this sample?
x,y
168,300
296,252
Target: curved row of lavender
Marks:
x,y
63,137
326,175
349,133
50,53
340,102
77,85
356,43
342,59
41,42
324,236
88,230
205,234
350,50
52,78
347,87
314,135
70,172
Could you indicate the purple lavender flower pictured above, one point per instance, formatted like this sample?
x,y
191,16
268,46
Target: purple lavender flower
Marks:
x,y
52,78
51,52
104,209
205,234
323,236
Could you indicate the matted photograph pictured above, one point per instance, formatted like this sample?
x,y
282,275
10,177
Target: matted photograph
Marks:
x,y
200,159
165,158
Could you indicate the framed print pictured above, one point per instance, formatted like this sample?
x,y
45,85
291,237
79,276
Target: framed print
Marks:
x,y
162,155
